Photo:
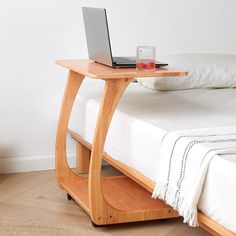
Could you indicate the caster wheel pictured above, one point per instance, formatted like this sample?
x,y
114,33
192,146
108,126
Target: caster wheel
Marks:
x,y
162,220
95,225
69,197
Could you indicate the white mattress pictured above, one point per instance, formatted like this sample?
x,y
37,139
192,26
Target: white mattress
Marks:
x,y
142,118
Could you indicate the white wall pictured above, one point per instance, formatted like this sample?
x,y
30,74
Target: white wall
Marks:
x,y
35,33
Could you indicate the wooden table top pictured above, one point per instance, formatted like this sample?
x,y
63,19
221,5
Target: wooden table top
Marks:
x,y
98,71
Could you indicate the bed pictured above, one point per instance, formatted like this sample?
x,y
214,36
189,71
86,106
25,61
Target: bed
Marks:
x,y
142,119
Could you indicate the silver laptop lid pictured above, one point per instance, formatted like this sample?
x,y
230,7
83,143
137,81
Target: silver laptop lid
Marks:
x,y
97,35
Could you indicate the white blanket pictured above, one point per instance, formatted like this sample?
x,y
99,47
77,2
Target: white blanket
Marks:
x,y
184,160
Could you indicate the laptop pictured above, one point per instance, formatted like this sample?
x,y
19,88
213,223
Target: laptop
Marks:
x,y
98,40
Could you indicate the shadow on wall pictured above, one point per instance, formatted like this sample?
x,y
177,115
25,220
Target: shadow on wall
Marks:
x,y
6,153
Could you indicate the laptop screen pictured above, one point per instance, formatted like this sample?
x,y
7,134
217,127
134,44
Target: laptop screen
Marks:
x,y
97,35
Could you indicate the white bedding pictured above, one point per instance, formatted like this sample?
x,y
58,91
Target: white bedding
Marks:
x,y
144,116
204,71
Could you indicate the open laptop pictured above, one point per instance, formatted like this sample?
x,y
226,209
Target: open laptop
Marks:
x,y
98,40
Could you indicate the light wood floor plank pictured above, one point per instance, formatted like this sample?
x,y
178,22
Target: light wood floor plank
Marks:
x,y
32,204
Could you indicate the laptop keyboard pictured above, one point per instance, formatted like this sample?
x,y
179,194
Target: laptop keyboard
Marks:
x,y
124,60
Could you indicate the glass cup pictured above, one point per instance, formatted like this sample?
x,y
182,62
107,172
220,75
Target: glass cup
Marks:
x,y
145,58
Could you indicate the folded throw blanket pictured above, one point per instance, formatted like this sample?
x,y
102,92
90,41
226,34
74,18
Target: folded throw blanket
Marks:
x,y
183,164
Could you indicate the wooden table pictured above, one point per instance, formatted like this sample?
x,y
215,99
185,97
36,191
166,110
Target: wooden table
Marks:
x,y
114,199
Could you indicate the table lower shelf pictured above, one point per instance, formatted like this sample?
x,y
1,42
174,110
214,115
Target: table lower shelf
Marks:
x,y
121,193
77,188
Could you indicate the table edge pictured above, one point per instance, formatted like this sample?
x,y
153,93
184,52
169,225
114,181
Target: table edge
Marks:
x,y
121,76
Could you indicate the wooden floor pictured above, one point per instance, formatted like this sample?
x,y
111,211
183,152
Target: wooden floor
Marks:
x,y
32,204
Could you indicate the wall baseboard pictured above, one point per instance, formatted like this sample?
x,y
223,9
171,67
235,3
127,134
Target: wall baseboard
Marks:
x,y
32,163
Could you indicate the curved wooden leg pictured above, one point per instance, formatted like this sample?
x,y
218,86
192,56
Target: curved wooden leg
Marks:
x,y
101,211
132,202
73,84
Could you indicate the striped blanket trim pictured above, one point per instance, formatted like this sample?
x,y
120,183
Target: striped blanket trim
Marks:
x,y
184,160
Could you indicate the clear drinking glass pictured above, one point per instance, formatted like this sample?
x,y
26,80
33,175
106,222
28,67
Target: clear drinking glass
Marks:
x,y
145,58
